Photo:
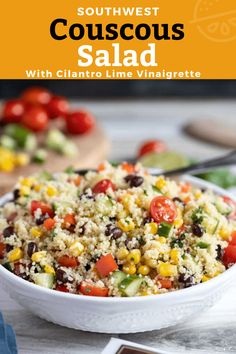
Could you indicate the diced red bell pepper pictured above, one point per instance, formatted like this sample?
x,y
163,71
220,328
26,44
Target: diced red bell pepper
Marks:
x,y
49,224
106,264
63,288
103,186
229,256
165,283
69,220
2,249
45,209
88,289
67,261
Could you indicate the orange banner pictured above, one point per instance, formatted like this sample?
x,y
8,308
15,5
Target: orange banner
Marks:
x,y
155,39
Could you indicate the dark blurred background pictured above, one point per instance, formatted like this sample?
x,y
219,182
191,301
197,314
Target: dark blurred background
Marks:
x,y
96,89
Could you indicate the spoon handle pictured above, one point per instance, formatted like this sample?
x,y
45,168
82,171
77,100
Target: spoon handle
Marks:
x,y
226,160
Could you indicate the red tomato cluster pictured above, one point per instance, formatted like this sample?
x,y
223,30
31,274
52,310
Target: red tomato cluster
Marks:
x,y
37,106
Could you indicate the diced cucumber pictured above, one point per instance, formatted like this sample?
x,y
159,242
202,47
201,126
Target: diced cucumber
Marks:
x,y
46,176
7,266
55,140
130,285
117,277
69,148
40,156
203,245
22,136
164,229
44,279
7,142
210,224
222,207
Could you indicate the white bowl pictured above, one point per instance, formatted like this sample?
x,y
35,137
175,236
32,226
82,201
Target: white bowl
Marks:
x,y
119,315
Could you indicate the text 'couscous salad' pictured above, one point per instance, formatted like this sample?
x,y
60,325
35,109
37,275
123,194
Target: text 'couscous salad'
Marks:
x,y
116,232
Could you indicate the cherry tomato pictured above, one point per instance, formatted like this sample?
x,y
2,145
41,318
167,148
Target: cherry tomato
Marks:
x,y
232,204
88,289
233,238
106,264
58,106
67,261
36,95
13,111
229,256
151,146
35,118
103,185
79,122
63,288
163,209
45,209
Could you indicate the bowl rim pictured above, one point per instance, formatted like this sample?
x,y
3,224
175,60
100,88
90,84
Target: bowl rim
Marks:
x,y
87,298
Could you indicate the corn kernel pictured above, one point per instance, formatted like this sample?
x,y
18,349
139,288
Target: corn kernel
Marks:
x,y
36,232
160,183
144,270
15,255
122,253
216,273
24,191
6,165
178,222
167,270
138,202
134,256
174,256
224,234
22,159
51,191
144,293
27,182
76,248
151,262
38,256
129,269
198,194
37,187
151,228
126,225
205,278
49,269
125,200
161,239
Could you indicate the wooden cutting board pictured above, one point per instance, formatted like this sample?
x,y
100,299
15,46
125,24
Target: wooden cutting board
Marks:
x,y
213,131
92,149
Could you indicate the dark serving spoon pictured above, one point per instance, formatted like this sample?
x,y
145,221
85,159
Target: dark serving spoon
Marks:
x,y
226,160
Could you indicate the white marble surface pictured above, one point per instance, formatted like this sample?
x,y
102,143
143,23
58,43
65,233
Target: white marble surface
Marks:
x,y
128,123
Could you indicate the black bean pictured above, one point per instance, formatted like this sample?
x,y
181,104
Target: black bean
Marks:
x,y
23,276
220,253
9,248
186,281
87,267
8,231
16,194
113,231
61,275
177,199
134,180
197,230
32,248
40,220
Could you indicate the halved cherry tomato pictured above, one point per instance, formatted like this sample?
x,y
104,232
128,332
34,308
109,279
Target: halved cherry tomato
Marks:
x,y
103,185
49,224
88,289
229,256
163,209
45,209
79,122
69,220
58,106
36,95
106,264
2,249
63,288
35,118
13,111
233,238
151,146
165,283
67,261
128,167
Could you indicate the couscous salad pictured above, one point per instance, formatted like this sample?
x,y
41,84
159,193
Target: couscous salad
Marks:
x,y
117,231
